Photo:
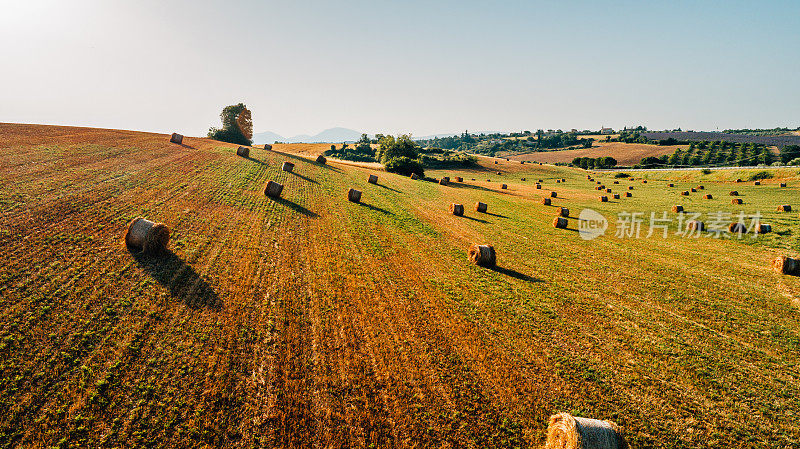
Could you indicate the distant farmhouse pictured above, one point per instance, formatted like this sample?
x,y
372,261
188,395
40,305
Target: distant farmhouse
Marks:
x,y
606,131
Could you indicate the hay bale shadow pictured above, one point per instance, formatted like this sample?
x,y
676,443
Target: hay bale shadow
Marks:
x,y
462,185
187,146
250,158
388,188
474,219
305,177
377,209
495,215
515,274
296,207
180,278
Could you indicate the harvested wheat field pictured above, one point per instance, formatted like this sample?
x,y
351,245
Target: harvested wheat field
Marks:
x,y
312,321
625,153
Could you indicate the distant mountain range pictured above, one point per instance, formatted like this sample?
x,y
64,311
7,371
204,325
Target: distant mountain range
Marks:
x,y
333,135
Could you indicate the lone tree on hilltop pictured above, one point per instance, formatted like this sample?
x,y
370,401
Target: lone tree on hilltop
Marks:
x,y
237,126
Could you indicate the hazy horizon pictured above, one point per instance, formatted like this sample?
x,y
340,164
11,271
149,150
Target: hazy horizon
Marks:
x,y
419,67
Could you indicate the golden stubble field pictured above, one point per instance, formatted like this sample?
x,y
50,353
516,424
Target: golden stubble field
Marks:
x,y
311,321
626,154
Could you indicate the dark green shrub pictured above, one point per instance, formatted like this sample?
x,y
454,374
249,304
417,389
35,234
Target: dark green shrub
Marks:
x,y
760,175
405,166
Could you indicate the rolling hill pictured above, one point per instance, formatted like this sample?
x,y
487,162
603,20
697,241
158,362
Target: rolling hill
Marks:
x,y
311,321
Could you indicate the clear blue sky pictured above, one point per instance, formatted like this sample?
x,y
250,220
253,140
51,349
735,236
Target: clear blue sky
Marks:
x,y
401,66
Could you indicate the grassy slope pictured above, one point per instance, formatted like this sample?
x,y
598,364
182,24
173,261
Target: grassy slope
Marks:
x,y
314,320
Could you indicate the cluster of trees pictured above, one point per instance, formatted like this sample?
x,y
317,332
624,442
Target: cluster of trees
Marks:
x,y
237,126
762,132
491,144
721,154
592,162
441,158
790,155
399,154
360,152
710,154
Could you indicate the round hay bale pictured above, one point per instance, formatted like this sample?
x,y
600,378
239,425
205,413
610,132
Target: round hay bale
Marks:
x,y
608,190
733,193
553,195
685,193
176,138
414,176
708,196
616,196
503,186
757,183
736,201
563,212
784,208
321,159
482,255
600,187
701,187
738,179
786,265
243,151
459,179
287,166
670,185
546,201
783,184
616,182
560,223
603,199
598,182
481,207
570,432
764,228
628,194
630,187
146,236
495,162
695,225
273,189
677,209
444,181
269,147
457,209
737,228
644,181
693,190
499,173
563,179
522,179
373,179
558,181
354,196
538,186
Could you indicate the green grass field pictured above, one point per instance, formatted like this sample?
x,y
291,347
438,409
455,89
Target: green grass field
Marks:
x,y
312,321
